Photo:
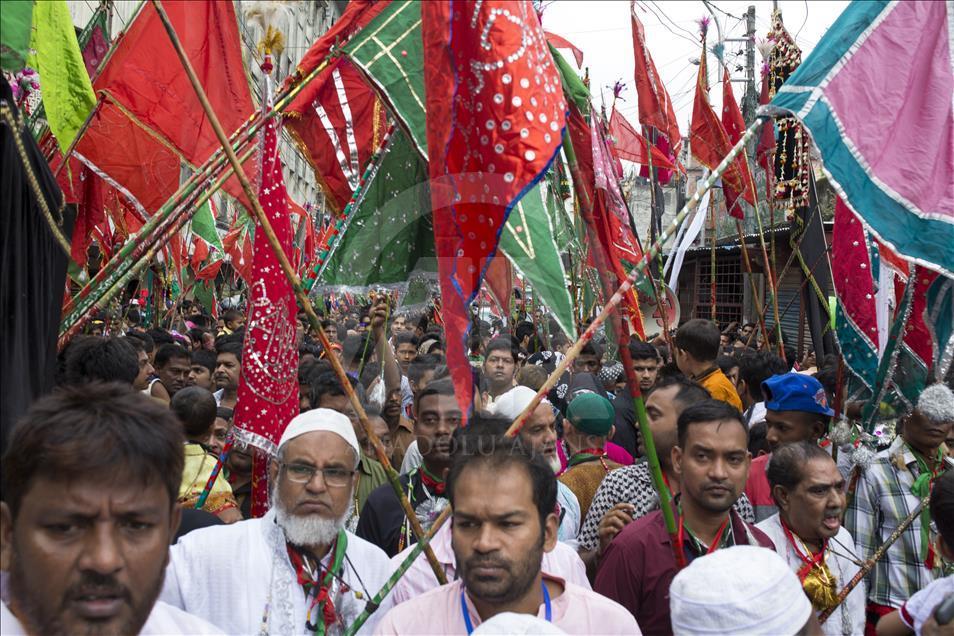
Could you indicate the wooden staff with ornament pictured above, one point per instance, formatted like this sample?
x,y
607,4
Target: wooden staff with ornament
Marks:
x,y
300,292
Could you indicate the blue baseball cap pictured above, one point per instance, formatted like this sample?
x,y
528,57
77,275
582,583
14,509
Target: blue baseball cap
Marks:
x,y
795,392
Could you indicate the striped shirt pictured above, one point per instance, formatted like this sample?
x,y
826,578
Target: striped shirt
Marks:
x,y
882,500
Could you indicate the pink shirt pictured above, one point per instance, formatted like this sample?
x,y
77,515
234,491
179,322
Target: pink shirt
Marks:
x,y
562,562
614,452
576,611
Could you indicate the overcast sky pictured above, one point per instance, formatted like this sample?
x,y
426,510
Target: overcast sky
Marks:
x,y
601,29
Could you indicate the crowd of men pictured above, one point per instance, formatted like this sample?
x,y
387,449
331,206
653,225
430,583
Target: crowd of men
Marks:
x,y
558,529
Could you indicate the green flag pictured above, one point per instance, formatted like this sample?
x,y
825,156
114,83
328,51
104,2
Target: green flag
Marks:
x,y
67,93
16,19
573,86
203,226
390,51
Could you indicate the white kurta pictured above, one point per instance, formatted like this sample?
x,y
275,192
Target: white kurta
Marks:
x,y
239,578
849,617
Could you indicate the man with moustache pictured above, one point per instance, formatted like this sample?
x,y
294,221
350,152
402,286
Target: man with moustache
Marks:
x,y
503,499
172,366
89,509
382,520
500,367
886,493
296,569
807,532
228,370
711,461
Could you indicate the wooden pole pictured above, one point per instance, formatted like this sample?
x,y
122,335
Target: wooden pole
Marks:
x,y
300,293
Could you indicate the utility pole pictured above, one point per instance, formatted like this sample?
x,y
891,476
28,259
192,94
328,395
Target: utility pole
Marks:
x,y
750,100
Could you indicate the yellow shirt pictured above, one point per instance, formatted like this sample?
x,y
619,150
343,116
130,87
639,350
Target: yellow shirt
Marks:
x,y
720,387
198,467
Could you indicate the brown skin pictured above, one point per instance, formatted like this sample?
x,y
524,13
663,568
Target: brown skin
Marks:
x,y
499,541
813,509
318,449
405,353
384,434
785,427
587,363
399,326
220,432
688,364
145,370
499,369
77,538
201,376
892,625
712,469
924,435
646,370
540,432
733,375
438,416
392,409
228,368
174,376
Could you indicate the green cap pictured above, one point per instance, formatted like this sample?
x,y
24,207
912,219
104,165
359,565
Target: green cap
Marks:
x,y
592,414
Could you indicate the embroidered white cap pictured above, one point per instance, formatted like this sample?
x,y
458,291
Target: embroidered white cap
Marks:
x,y
738,590
512,403
317,420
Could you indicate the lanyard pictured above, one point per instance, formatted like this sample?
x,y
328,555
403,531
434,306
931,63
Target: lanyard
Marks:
x,y
681,537
808,558
470,626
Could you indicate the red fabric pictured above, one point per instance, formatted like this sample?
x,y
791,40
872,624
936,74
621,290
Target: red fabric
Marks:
x,y
631,145
89,214
560,42
873,612
662,176
356,15
710,143
209,272
766,146
268,386
655,107
200,252
500,281
916,336
734,127
495,113
327,126
856,294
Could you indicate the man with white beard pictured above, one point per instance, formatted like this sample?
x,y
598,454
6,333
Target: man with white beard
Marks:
x,y
296,570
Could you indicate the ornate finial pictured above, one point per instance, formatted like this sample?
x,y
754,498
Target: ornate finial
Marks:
x,y
266,14
704,25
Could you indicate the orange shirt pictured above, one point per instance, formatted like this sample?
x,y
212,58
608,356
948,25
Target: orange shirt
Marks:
x,y
720,387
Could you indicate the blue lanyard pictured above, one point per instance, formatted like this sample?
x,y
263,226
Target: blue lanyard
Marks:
x,y
470,626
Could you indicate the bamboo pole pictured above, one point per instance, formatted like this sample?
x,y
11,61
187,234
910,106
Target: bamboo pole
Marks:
x,y
292,276
870,563
748,269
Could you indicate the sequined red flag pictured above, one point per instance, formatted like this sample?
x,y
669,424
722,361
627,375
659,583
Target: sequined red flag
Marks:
x,y
495,115
268,387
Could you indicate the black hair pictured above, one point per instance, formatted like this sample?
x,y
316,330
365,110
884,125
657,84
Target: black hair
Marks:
x,y
758,442
405,338
168,352
354,347
327,383
195,334
791,356
502,343
755,368
497,453
235,348
726,363
133,317
225,413
942,506
690,392
642,351
101,359
785,468
592,349
230,315
195,407
699,338
444,386
422,364
147,342
96,431
707,411
137,344
558,339
204,358
160,336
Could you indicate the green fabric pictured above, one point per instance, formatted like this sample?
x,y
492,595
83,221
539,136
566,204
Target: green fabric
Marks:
x,y
592,414
389,234
390,51
372,475
203,226
528,241
16,19
921,488
573,87
67,93
204,293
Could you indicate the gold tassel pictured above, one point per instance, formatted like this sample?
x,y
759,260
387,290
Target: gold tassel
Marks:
x,y
820,586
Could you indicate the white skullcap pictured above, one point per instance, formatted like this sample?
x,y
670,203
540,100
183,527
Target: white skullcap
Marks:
x,y
937,403
321,420
739,590
514,623
512,403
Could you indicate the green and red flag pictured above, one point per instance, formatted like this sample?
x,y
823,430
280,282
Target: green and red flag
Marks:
x,y
495,116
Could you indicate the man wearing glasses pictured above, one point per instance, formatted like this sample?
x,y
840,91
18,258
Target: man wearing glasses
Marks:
x,y
295,569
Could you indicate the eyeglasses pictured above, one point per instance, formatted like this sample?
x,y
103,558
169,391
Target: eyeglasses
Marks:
x,y
333,477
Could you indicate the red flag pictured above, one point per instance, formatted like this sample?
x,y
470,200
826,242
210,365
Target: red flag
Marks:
x,y
710,143
337,122
210,271
767,137
268,387
655,107
495,114
500,281
734,128
631,145
200,252
89,214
